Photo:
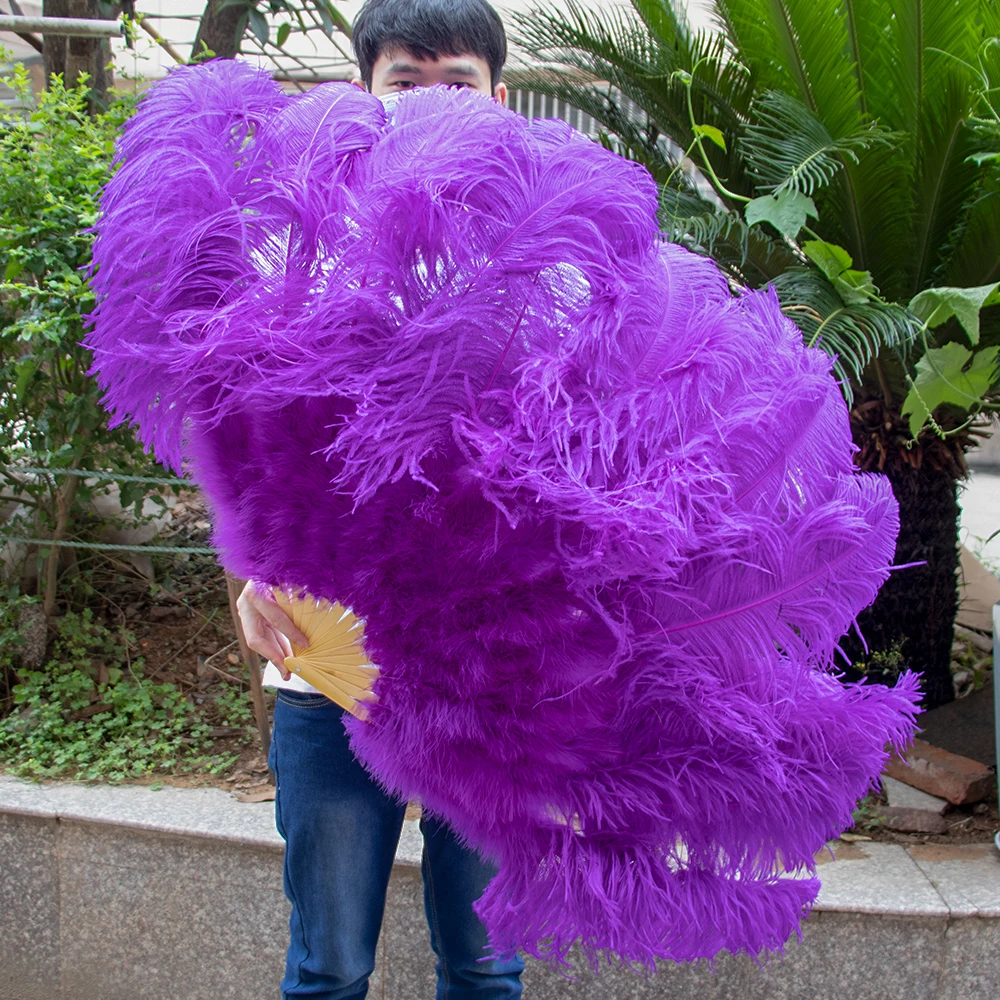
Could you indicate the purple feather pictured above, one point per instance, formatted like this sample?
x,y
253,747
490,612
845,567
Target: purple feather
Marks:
x,y
600,516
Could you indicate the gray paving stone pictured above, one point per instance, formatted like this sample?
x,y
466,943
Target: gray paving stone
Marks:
x,y
411,844
966,876
877,878
854,956
105,887
844,956
903,796
671,982
205,812
29,908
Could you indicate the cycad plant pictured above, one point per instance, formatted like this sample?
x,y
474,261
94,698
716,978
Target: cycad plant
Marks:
x,y
847,151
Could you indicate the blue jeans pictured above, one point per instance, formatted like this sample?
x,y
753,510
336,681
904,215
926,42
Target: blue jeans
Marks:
x,y
341,832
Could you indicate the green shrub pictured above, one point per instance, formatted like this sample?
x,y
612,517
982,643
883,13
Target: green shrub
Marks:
x,y
56,157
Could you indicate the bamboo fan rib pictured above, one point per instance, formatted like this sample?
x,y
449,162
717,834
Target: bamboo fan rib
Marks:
x,y
334,662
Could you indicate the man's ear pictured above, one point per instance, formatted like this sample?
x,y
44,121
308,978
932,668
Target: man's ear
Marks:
x,y
358,82
500,93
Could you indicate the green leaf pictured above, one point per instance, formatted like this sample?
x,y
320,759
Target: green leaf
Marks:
x,y
26,369
945,375
851,333
938,305
259,26
284,30
854,287
831,259
980,158
713,133
332,18
786,212
206,52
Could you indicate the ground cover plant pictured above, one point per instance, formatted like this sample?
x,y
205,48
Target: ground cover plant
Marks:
x,y
90,712
144,683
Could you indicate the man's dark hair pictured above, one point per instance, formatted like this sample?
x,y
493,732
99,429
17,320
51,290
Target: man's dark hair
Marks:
x,y
427,29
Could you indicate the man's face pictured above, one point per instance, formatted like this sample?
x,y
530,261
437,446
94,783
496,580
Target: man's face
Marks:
x,y
398,70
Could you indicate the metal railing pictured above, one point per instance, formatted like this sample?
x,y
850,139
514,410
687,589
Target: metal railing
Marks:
x,y
115,477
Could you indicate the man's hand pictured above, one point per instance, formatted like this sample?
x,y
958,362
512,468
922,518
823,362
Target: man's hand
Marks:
x,y
267,628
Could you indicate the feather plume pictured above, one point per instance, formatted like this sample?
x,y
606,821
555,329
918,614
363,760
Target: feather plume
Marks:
x,y
599,516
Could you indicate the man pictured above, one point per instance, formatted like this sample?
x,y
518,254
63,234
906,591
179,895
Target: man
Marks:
x,y
340,828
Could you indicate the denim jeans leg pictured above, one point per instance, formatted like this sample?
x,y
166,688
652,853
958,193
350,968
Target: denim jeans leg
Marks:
x,y
454,878
341,832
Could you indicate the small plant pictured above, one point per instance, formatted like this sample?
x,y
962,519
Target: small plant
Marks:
x,y
234,709
885,665
971,664
91,714
865,815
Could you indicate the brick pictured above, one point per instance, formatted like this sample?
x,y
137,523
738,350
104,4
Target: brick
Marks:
x,y
947,775
911,820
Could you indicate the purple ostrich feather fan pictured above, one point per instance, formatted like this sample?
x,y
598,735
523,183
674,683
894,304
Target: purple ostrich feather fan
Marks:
x,y
599,515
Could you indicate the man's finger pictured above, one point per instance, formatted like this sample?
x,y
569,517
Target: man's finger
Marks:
x,y
282,640
263,641
285,647
275,617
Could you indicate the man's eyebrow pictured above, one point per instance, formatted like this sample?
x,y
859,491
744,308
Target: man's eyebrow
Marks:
x,y
403,67
459,69
462,69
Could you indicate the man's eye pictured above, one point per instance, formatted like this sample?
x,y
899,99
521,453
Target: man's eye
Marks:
x,y
458,86
404,84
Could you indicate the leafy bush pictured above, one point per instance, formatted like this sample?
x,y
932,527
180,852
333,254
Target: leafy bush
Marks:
x,y
56,157
12,601
90,713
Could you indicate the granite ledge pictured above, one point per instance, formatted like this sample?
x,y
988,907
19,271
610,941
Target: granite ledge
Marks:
x,y
210,813
918,881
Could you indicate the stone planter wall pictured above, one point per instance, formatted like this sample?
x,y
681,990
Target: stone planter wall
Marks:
x,y
130,894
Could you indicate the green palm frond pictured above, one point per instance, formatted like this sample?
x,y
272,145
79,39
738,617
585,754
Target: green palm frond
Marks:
x,y
921,79
945,184
665,21
798,47
975,256
877,109
613,57
746,254
788,148
853,335
611,60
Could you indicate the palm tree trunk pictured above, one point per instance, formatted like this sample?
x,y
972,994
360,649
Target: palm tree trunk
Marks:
x,y
914,612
